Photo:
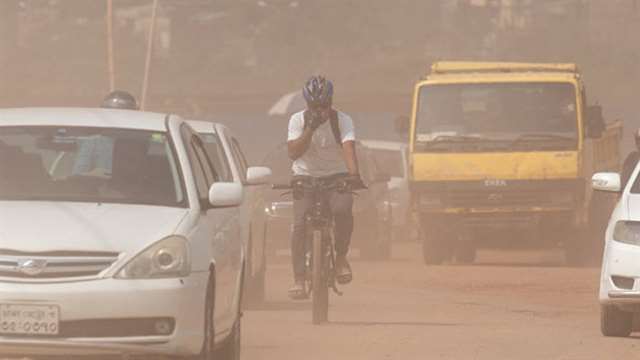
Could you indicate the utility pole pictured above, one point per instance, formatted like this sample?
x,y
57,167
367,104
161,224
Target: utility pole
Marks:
x,y
145,83
110,60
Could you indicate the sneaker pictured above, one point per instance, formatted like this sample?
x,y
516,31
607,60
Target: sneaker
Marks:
x,y
343,270
298,291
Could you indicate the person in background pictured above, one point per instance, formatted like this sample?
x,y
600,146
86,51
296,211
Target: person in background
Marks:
x,y
631,161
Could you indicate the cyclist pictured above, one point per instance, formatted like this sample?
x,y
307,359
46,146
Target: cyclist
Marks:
x,y
321,143
119,99
631,161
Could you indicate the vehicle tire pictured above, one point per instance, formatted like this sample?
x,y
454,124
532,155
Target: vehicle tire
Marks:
x,y
319,277
232,346
434,249
255,283
615,322
385,239
368,243
208,345
466,253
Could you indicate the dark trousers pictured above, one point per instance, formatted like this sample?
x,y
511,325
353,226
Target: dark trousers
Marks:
x,y
341,208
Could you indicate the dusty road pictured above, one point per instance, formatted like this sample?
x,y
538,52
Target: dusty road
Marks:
x,y
528,308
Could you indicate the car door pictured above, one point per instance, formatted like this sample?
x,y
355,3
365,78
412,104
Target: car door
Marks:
x,y
252,211
223,234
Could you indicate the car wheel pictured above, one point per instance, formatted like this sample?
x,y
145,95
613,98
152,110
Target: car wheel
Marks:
x,y
255,283
615,322
208,345
368,242
232,345
385,235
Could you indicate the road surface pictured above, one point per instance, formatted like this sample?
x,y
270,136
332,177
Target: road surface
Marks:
x,y
512,305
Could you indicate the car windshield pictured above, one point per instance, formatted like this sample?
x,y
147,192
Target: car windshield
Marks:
x,y
538,114
390,161
84,164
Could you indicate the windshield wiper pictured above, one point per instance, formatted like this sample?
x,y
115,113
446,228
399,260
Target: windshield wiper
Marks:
x,y
540,137
451,138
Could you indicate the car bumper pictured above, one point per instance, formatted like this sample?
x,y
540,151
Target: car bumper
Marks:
x,y
113,301
620,262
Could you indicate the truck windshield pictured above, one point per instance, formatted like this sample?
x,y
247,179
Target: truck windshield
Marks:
x,y
538,115
85,164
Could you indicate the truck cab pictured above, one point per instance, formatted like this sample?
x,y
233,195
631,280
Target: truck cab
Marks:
x,y
506,146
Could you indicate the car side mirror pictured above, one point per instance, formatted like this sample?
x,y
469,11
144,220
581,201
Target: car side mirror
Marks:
x,y
402,125
382,177
606,181
595,124
226,194
258,175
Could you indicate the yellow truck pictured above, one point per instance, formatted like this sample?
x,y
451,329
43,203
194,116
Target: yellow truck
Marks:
x,y
502,154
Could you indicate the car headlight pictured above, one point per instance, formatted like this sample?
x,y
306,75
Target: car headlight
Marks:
x,y
166,258
627,232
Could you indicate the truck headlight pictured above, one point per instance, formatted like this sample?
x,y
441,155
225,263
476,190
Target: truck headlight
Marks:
x,y
166,258
627,232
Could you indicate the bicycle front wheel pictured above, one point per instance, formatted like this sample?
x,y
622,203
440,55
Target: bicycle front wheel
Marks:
x,y
320,288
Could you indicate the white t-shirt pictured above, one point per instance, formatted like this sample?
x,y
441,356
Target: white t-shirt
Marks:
x,y
324,156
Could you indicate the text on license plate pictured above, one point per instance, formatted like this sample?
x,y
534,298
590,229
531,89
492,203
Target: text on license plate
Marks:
x,y
29,319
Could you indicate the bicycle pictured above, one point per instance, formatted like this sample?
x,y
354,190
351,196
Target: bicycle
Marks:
x,y
320,257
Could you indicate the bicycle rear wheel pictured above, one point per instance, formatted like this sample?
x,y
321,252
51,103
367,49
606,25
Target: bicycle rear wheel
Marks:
x,y
320,288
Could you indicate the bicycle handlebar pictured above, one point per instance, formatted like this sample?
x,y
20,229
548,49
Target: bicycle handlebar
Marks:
x,y
329,185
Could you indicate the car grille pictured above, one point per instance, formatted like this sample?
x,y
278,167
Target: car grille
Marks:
x,y
53,265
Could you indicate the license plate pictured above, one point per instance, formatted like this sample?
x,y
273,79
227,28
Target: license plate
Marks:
x,y
29,319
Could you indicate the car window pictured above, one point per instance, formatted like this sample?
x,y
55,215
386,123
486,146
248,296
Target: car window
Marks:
x,y
200,165
87,164
239,159
215,150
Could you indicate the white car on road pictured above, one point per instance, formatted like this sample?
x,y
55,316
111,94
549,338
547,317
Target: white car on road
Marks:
x,y
117,236
225,151
620,276
393,158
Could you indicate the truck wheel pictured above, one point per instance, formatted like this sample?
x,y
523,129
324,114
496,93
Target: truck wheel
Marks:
x,y
466,253
434,251
385,238
615,322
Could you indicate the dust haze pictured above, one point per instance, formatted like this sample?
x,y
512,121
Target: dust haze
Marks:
x,y
230,61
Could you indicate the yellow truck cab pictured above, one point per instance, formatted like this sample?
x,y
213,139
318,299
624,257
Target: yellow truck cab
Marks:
x,y
507,146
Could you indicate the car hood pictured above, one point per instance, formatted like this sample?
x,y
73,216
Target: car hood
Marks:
x,y
59,226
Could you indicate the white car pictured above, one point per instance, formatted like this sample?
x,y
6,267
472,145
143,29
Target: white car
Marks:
x,y
117,237
619,280
393,158
225,151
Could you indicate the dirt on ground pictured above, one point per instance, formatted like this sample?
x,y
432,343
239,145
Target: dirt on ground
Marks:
x,y
509,305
